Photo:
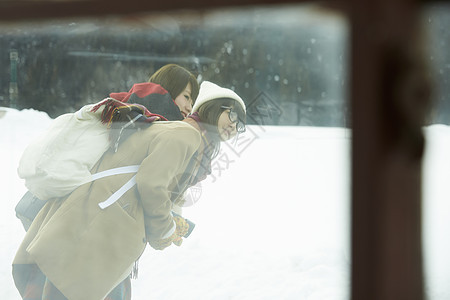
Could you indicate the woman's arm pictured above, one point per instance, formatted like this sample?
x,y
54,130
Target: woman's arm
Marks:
x,y
168,157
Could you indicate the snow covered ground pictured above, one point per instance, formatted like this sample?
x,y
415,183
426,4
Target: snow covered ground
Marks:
x,y
272,221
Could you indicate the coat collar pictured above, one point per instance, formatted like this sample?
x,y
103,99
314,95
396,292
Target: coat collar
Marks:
x,y
195,121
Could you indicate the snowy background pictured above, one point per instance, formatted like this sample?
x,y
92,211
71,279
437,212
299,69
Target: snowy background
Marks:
x,y
272,220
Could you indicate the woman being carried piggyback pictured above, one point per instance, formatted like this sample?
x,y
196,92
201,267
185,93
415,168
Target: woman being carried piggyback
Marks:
x,y
170,92
52,167
84,247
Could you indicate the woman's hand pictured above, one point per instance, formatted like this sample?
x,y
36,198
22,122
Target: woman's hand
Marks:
x,y
182,228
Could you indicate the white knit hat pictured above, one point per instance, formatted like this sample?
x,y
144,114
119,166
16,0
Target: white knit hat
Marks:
x,y
210,91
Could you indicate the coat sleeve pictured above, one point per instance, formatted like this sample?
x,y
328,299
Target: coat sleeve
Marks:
x,y
168,157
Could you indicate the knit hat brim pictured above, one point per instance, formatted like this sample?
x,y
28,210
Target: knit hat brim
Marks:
x,y
210,91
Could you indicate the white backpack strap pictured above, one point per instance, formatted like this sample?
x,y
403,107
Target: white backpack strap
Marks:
x,y
115,171
119,193
114,197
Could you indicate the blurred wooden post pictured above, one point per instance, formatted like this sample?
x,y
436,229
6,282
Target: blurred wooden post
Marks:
x,y
389,100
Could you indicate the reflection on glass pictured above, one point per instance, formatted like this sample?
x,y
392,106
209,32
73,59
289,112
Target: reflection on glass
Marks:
x,y
273,219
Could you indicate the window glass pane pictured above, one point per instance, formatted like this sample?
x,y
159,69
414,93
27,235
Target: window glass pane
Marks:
x,y
272,219
436,210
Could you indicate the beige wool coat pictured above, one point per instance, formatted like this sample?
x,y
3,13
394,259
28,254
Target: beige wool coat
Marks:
x,y
85,251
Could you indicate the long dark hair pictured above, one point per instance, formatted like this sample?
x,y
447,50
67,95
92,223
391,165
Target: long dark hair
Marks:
x,y
174,79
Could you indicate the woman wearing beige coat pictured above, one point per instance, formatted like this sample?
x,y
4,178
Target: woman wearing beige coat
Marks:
x,y
84,250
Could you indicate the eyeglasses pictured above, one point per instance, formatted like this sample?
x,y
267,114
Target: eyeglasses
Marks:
x,y
234,118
